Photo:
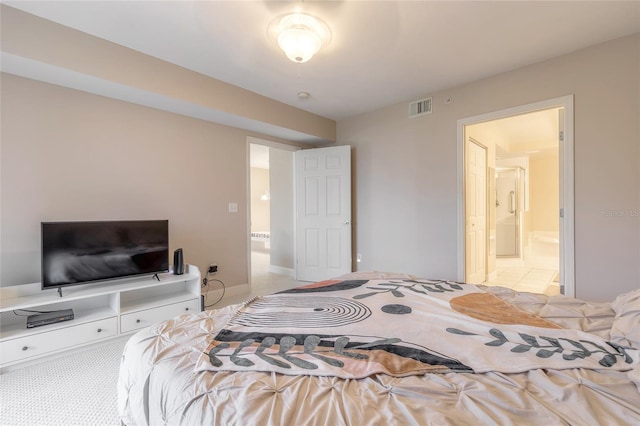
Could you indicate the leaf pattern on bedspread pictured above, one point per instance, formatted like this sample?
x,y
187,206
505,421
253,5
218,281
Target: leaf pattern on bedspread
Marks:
x,y
399,327
286,351
396,287
546,347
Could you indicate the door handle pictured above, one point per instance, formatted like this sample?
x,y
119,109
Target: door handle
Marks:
x,y
512,202
347,222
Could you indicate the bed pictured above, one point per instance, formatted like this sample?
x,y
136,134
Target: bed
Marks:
x,y
389,349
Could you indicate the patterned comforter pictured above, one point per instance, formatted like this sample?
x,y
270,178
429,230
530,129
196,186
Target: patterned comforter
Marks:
x,y
384,351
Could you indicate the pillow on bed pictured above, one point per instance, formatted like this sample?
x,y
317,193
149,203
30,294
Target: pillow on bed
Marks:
x,y
626,325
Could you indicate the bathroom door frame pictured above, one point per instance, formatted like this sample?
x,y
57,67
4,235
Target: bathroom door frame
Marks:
x,y
566,182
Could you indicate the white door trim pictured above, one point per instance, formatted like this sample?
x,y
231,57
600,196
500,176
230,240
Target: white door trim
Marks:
x,y
567,237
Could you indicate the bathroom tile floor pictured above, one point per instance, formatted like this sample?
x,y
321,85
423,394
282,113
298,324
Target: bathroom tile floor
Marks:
x,y
523,278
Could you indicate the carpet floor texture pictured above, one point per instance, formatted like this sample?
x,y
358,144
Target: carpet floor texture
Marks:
x,y
74,390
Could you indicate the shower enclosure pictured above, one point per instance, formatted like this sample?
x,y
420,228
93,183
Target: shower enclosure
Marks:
x,y
509,205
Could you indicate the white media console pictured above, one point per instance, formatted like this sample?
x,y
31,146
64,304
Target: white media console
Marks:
x,y
102,311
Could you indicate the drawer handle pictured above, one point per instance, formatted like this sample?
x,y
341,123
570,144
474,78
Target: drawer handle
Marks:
x,y
24,348
99,330
137,321
186,309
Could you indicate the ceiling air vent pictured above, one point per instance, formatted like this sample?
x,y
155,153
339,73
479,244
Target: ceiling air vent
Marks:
x,y
421,107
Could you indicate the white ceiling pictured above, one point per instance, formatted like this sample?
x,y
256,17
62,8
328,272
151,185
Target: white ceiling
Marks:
x,y
381,52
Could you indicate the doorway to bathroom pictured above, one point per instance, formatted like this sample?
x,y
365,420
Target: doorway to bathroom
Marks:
x,y
528,243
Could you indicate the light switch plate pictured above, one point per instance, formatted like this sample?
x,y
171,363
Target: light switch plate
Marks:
x,y
233,207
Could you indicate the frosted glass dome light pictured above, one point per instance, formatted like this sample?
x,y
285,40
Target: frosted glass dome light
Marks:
x,y
300,36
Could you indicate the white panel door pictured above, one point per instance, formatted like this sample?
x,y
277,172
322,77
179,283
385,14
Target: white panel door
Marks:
x,y
323,213
476,212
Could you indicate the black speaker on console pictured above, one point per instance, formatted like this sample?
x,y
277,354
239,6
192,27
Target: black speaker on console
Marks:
x,y
178,262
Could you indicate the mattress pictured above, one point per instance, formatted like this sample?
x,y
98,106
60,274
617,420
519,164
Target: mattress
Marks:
x,y
176,372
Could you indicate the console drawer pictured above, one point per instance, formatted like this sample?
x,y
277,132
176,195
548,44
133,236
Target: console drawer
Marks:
x,y
137,320
49,341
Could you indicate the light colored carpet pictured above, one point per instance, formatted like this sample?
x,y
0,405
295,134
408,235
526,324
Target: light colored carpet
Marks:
x,y
74,390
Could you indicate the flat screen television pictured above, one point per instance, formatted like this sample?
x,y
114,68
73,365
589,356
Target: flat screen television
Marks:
x,y
85,252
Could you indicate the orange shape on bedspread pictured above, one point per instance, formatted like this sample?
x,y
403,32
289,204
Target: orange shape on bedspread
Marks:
x,y
321,284
488,307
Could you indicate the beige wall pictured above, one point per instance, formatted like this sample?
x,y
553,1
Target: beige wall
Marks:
x,y
406,171
543,193
69,155
260,211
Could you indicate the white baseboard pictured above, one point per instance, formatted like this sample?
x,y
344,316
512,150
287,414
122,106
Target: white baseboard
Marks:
x,y
282,271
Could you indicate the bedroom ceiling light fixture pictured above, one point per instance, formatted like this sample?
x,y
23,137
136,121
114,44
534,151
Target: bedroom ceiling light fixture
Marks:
x,y
300,36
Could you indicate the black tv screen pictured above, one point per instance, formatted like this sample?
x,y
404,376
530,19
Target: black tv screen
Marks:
x,y
84,252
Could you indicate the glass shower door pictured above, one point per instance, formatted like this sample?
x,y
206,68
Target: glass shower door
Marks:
x,y
508,196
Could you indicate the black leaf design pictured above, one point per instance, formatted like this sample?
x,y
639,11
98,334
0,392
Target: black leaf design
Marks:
x,y
555,346
267,342
577,345
243,362
300,362
608,360
554,342
500,338
520,348
341,343
497,334
390,341
310,343
455,286
215,361
272,360
621,350
218,348
544,353
397,293
431,289
529,339
286,343
460,332
362,296
575,354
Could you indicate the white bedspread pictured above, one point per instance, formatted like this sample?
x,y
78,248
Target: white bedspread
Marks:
x,y
159,383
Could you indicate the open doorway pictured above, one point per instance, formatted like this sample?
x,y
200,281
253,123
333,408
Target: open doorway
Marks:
x,y
528,244
271,216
